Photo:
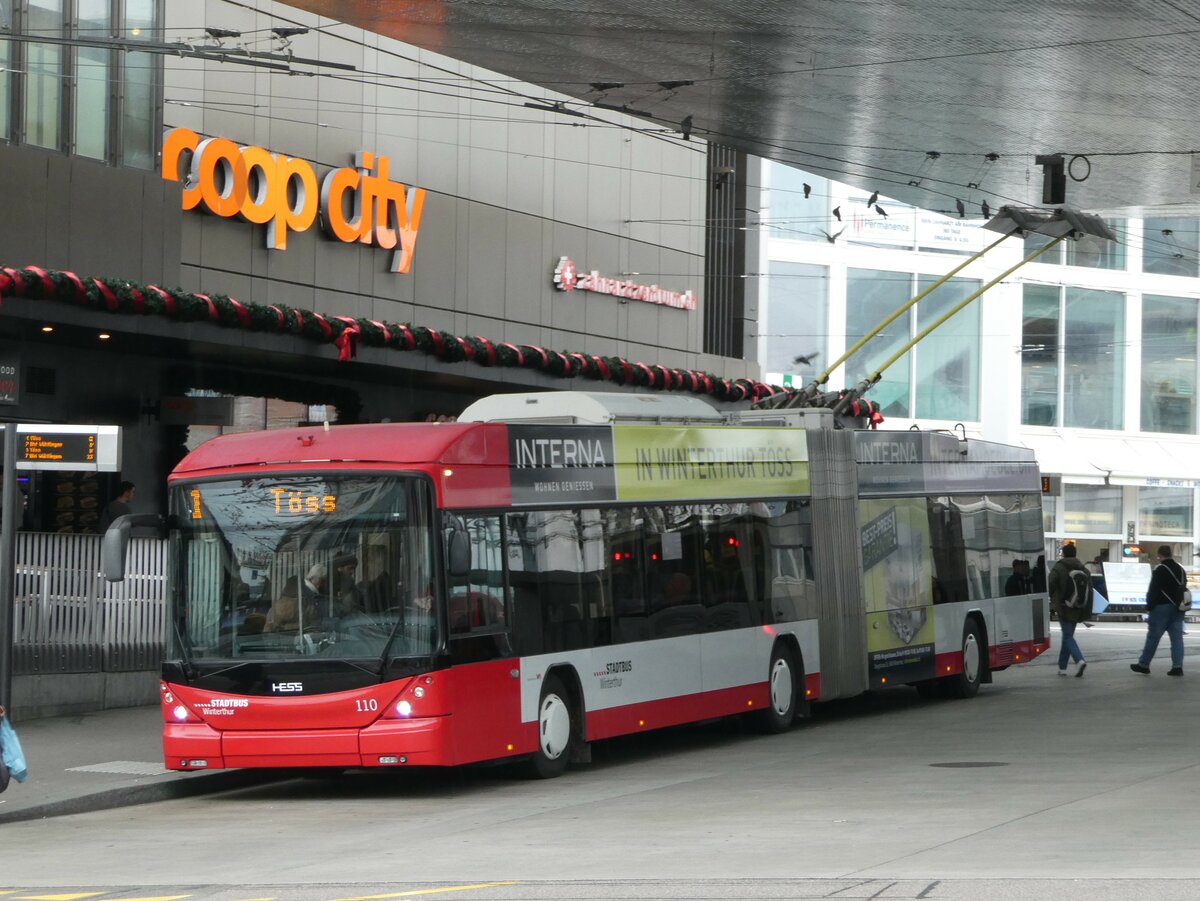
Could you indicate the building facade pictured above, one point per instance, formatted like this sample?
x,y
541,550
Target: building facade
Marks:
x,y
1087,354
268,163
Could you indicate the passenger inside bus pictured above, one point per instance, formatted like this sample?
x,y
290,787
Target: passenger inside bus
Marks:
x,y
285,613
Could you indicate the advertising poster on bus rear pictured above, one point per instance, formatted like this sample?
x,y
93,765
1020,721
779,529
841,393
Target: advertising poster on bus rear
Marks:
x,y
897,584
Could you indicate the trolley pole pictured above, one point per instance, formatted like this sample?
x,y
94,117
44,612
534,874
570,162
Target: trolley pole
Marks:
x,y
8,554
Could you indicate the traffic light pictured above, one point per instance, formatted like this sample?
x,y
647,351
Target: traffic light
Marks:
x,y
1131,550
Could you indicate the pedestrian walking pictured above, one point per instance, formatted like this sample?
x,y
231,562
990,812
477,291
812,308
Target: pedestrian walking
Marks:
x,y
1167,582
1063,594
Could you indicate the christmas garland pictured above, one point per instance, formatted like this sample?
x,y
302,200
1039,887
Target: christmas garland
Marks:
x,y
346,333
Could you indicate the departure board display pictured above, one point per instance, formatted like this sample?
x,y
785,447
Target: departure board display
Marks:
x,y
85,448
57,447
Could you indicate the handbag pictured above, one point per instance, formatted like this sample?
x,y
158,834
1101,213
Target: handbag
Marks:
x,y
1185,602
10,751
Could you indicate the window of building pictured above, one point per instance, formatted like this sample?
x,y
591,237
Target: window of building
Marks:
x,y
1092,510
1049,514
791,215
796,321
1169,351
946,383
1171,246
947,359
1165,512
1039,356
1093,359
92,80
6,63
139,76
1081,332
1095,253
871,296
79,89
43,74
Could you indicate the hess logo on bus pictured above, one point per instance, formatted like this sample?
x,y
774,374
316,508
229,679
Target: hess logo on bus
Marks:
x,y
357,205
287,687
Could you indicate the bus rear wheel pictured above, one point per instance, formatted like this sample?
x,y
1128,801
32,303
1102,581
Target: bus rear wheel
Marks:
x,y
974,656
782,682
555,731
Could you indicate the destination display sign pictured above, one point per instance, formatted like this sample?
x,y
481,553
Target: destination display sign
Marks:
x,y
89,448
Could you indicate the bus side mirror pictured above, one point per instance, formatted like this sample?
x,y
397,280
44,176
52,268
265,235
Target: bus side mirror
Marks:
x,y
116,542
459,553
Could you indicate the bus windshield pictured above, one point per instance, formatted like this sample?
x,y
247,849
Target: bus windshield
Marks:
x,y
303,565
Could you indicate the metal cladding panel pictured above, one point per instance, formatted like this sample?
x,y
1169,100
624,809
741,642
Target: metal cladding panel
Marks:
x,y
836,560
929,463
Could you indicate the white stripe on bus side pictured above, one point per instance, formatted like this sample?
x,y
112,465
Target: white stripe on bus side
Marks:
x,y
637,672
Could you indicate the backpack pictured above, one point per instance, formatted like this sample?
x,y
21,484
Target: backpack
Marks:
x,y
1184,604
1080,585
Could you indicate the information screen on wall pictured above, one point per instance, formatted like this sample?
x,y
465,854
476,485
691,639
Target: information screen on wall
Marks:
x,y
88,448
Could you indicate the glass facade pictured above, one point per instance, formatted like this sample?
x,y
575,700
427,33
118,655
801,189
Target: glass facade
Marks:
x,y
43,75
61,93
797,320
1093,359
1169,336
1039,356
92,81
1082,331
1113,354
6,62
1171,246
947,360
792,216
871,296
138,78
1092,510
1165,512
1095,253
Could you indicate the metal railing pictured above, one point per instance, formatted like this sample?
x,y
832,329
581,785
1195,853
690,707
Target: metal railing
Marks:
x,y
68,619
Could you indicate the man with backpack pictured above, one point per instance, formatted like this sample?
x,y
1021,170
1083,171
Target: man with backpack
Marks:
x,y
1070,587
1165,612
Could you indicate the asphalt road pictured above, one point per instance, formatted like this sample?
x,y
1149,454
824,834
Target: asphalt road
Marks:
x,y
1040,787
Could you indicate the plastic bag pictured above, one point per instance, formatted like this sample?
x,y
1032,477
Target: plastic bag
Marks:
x,y
14,757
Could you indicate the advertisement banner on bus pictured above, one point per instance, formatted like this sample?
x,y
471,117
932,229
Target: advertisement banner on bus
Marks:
x,y
656,463
561,464
897,582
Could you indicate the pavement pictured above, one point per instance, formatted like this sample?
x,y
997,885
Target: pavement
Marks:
x,y
110,758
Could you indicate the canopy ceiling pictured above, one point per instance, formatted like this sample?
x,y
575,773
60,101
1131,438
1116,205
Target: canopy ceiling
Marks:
x,y
865,91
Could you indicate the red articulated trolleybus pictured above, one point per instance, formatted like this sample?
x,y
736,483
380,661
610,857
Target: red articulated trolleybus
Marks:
x,y
554,569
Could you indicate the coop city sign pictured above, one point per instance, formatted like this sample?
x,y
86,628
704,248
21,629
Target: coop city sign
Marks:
x,y
357,205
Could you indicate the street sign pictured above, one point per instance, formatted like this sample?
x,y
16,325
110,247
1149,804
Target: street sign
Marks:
x,y
88,448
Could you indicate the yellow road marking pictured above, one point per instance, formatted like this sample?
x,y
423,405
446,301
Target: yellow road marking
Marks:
x,y
429,891
74,897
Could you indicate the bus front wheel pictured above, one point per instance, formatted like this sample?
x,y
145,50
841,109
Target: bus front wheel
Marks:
x,y
782,681
555,728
